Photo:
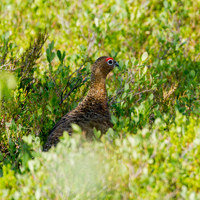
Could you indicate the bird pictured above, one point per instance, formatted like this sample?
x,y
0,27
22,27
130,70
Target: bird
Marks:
x,y
93,111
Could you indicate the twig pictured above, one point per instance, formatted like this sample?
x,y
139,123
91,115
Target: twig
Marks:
x,y
165,52
57,93
70,78
121,89
71,90
68,83
4,65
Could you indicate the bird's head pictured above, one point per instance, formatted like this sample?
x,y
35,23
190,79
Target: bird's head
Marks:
x,y
103,66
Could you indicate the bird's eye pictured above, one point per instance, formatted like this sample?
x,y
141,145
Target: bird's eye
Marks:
x,y
110,62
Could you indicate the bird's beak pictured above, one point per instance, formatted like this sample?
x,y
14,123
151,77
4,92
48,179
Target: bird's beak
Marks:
x,y
116,64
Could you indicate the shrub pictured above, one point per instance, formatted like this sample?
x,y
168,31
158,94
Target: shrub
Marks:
x,y
153,97
153,164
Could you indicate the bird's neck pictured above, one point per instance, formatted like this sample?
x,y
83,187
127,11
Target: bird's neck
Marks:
x,y
96,98
98,90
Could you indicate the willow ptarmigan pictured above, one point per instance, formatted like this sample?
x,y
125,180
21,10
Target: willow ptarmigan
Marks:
x,y
93,111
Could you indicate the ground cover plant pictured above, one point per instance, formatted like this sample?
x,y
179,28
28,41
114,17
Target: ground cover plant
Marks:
x,y
46,50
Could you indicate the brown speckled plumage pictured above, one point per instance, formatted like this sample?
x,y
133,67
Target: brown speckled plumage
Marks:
x,y
93,111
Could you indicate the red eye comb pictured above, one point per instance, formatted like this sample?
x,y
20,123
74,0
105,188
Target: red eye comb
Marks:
x,y
109,58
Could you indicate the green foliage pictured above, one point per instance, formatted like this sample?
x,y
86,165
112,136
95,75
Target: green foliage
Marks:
x,y
7,83
153,98
153,164
7,182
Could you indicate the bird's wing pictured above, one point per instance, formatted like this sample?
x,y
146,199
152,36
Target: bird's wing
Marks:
x,y
57,131
86,120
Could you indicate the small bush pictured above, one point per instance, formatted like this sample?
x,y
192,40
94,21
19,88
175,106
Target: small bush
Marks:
x,y
153,98
155,164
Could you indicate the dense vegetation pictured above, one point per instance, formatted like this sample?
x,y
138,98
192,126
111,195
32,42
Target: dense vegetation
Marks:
x,y
46,50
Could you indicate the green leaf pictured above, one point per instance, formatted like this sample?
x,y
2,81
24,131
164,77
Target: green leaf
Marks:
x,y
133,59
124,95
144,56
114,119
59,55
110,132
126,86
76,128
39,111
97,133
136,119
96,21
165,4
151,96
1,156
121,63
38,193
82,47
51,45
49,108
11,143
113,53
192,73
118,142
13,125
63,56
52,56
6,35
31,165
145,70
48,52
